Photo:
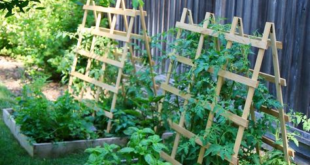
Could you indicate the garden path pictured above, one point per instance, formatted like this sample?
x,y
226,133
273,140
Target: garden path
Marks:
x,y
13,76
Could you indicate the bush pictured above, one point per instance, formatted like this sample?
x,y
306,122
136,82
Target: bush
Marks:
x,y
39,36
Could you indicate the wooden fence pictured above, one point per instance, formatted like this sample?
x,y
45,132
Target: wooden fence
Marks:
x,y
292,22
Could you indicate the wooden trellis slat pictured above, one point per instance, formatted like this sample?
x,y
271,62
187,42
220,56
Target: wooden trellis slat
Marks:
x,y
116,10
117,32
252,83
123,36
228,37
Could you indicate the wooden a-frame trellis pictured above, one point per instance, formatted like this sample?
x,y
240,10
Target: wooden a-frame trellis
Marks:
x,y
111,33
242,122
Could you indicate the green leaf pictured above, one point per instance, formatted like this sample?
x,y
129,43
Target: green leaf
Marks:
x,y
135,3
126,150
158,147
148,130
149,159
157,98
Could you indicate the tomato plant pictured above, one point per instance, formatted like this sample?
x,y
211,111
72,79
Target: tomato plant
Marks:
x,y
221,136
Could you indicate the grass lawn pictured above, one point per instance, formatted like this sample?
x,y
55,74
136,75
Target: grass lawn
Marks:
x,y
11,153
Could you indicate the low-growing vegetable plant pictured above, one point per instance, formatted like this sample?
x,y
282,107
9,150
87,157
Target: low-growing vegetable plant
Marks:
x,y
46,121
143,148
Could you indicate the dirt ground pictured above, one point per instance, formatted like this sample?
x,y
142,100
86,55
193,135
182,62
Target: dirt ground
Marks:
x,y
12,75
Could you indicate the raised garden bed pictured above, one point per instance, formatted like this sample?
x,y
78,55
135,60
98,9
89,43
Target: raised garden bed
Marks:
x,y
52,150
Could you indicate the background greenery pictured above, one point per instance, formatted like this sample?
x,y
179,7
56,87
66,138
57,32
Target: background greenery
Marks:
x,y
42,32
39,36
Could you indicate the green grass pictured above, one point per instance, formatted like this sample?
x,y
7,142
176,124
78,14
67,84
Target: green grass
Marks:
x,y
11,153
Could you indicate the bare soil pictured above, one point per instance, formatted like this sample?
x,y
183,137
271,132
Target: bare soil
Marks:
x,y
13,76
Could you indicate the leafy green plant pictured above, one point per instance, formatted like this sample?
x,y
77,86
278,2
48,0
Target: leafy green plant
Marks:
x,y
144,147
298,118
274,157
38,36
139,113
6,97
221,136
20,4
45,121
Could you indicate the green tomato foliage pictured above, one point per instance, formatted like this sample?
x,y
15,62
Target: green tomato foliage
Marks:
x,y
222,134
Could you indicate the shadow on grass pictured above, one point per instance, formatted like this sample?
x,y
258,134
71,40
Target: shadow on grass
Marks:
x,y
11,153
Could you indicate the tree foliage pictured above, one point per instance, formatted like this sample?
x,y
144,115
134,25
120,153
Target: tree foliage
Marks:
x,y
9,5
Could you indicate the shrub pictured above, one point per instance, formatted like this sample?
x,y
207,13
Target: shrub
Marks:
x,y
38,35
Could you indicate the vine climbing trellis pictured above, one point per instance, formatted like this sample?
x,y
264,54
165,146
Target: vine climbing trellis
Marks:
x,y
234,36
121,36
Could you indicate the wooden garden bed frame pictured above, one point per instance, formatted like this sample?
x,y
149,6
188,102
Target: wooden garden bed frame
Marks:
x,y
58,149
54,149
262,44
123,36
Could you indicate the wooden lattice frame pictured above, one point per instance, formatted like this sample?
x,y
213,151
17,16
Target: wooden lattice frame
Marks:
x,y
124,36
242,122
